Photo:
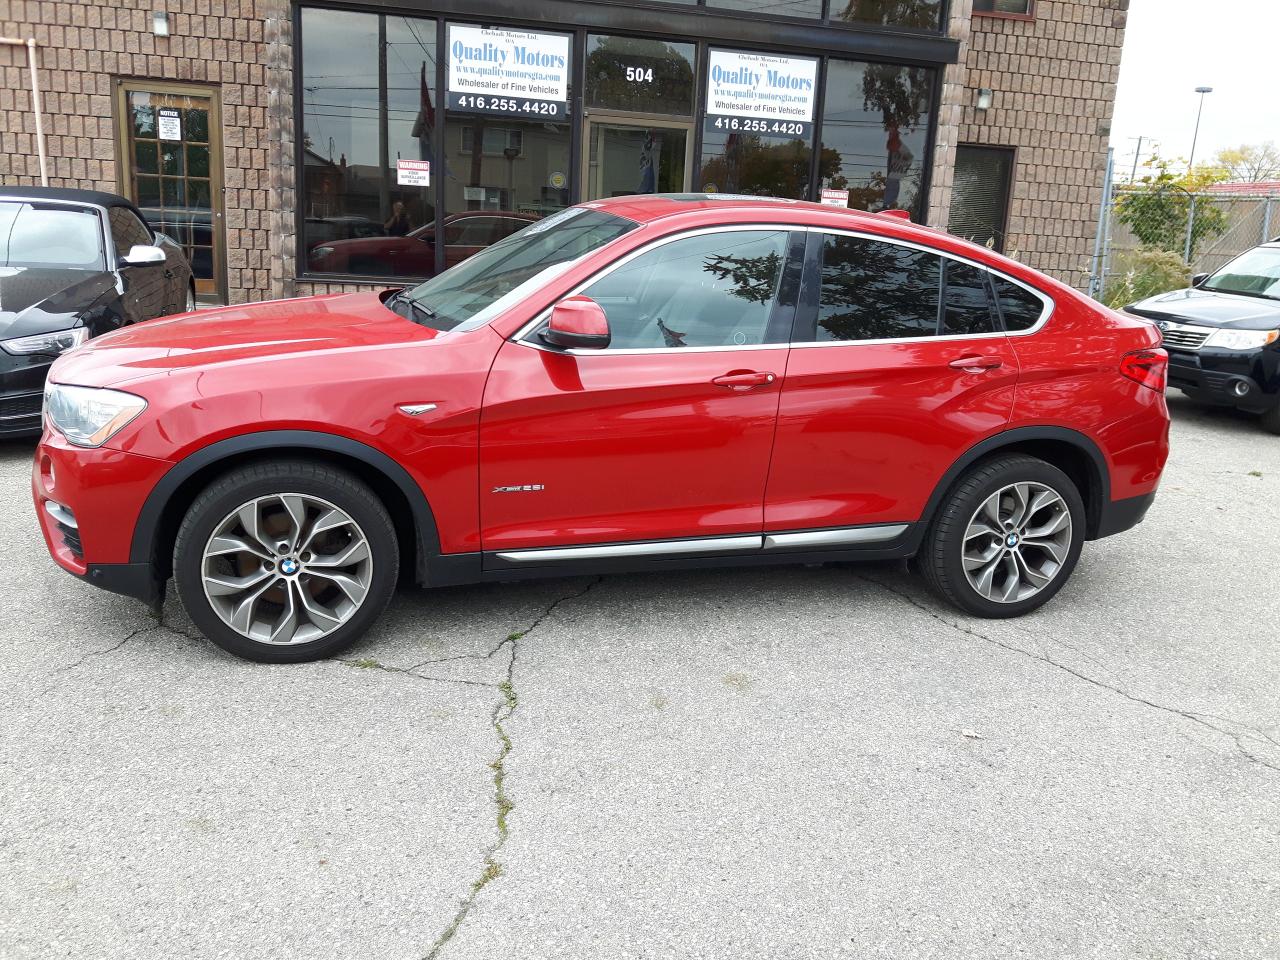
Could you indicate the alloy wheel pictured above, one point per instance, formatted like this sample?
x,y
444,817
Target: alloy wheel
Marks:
x,y
191,300
287,568
1017,541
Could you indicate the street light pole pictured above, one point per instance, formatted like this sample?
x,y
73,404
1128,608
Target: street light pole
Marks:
x,y
1133,177
1191,165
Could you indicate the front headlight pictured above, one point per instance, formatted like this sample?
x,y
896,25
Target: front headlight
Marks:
x,y
1241,339
60,341
89,417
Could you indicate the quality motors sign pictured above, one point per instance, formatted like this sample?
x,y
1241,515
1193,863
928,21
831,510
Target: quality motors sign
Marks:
x,y
760,94
512,72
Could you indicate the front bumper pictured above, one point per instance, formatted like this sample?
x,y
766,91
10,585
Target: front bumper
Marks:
x,y
87,502
1247,380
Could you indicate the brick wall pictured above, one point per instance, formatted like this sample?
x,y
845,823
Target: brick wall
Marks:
x,y
1054,83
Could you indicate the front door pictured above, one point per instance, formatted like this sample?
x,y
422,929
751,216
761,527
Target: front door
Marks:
x,y
664,435
626,155
170,143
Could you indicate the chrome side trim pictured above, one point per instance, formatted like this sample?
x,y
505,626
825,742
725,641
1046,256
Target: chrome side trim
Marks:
x,y
646,549
835,538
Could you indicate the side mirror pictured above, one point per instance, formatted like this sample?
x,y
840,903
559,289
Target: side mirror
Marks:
x,y
1199,278
143,255
578,322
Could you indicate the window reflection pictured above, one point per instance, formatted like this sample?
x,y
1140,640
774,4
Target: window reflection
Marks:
x,y
751,164
925,14
877,291
875,133
367,102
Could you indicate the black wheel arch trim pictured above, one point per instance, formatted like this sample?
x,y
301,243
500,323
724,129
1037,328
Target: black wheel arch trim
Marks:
x,y
148,526
1009,438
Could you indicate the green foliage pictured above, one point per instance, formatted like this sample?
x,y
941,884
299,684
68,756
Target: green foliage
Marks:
x,y
1144,273
1158,209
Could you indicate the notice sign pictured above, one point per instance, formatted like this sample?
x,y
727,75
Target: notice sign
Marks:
x,y
168,124
413,173
834,198
760,94
512,72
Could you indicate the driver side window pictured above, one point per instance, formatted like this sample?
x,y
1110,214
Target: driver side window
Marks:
x,y
127,231
711,290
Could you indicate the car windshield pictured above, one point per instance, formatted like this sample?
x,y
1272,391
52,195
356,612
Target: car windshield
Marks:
x,y
470,292
48,235
1256,274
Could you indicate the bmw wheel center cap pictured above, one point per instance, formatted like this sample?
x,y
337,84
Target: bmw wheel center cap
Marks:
x,y
289,566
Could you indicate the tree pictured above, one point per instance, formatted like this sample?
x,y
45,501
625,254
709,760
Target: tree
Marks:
x,y
1158,210
1251,163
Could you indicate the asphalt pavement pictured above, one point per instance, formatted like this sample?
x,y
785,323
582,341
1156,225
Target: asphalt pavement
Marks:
x,y
771,763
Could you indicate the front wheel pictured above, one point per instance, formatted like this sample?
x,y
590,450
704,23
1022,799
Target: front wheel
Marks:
x,y
285,562
1006,538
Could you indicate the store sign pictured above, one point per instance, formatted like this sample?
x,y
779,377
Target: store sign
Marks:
x,y
835,198
759,94
413,173
168,124
509,72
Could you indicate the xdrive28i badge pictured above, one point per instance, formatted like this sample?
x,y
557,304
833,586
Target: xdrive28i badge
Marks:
x,y
520,488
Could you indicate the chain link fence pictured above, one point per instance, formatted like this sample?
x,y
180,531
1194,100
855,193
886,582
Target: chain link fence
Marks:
x,y
1154,240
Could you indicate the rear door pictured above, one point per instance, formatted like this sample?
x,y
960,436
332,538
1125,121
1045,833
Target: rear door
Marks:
x,y
666,434
899,365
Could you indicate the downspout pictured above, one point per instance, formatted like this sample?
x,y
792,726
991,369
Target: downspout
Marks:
x,y
30,44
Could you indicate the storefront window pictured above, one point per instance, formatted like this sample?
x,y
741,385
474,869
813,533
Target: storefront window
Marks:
x,y
368,111
758,132
925,14
875,134
810,9
514,108
639,75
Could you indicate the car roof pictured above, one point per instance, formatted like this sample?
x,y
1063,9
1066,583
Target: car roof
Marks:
x,y
97,198
645,208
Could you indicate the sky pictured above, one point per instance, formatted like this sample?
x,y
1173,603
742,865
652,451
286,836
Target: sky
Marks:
x,y
1172,47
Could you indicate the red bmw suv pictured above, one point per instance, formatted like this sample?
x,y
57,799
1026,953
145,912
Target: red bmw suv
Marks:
x,y
641,383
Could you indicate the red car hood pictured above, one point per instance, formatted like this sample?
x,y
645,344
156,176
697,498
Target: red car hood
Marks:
x,y
234,334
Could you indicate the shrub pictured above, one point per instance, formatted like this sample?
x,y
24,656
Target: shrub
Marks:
x,y
1143,273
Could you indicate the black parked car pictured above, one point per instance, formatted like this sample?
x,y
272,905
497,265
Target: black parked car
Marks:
x,y
74,264
1223,334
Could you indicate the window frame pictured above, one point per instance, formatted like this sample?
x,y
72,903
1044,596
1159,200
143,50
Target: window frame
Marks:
x,y
1002,229
1002,15
806,322
796,256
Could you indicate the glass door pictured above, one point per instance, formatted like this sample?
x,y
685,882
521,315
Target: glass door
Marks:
x,y
626,155
171,153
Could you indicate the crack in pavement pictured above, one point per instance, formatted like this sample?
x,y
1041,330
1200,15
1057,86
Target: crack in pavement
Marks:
x,y
1198,718
160,625
503,710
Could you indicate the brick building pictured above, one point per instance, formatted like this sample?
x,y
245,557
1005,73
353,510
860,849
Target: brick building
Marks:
x,y
304,147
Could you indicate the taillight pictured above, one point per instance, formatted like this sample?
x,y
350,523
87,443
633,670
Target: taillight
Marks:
x,y
1147,367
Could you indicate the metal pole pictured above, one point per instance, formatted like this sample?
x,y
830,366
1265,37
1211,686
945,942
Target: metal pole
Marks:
x,y
1266,222
1104,214
384,159
1136,157
1191,227
35,106
1191,164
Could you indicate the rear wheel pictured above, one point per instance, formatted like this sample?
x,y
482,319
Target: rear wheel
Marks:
x,y
285,562
191,298
1271,420
1006,539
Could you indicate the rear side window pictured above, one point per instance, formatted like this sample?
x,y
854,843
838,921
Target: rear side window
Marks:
x,y
1020,308
966,304
877,291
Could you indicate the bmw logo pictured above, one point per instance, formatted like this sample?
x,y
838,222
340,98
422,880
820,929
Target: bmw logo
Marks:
x,y
289,566
1011,540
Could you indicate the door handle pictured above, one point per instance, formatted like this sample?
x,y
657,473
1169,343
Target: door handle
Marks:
x,y
977,364
744,379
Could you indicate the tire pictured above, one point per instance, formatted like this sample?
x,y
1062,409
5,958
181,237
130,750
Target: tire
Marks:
x,y
1052,557
334,576
190,305
1271,420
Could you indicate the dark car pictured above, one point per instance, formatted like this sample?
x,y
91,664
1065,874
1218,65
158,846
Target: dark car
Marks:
x,y
73,264
414,255
1223,335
